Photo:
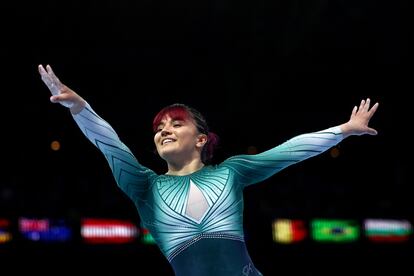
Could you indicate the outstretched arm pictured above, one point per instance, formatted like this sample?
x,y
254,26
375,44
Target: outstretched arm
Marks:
x,y
250,169
130,175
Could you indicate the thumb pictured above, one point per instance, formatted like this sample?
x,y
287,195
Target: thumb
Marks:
x,y
372,131
54,98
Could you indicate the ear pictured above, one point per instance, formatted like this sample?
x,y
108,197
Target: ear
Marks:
x,y
201,140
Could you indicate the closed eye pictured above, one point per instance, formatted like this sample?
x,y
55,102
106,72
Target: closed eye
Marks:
x,y
177,123
159,128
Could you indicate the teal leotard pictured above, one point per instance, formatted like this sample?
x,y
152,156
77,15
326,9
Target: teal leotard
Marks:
x,y
197,219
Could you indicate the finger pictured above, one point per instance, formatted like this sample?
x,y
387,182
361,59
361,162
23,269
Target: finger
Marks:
x,y
50,72
361,105
49,69
53,76
367,103
45,77
43,73
41,69
54,98
373,110
58,98
54,89
372,131
354,111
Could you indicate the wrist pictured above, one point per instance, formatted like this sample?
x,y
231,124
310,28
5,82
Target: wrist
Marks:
x,y
78,107
346,130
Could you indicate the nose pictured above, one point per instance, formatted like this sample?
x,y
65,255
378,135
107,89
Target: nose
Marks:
x,y
165,132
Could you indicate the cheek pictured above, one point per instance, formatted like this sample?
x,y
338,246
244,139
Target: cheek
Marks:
x,y
191,141
156,138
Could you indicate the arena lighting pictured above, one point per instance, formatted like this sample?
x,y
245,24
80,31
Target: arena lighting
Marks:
x,y
334,152
5,235
55,145
387,230
95,230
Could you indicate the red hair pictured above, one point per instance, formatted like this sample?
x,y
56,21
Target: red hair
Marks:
x,y
173,111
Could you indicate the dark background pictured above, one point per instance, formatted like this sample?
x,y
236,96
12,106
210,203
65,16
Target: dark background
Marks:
x,y
261,72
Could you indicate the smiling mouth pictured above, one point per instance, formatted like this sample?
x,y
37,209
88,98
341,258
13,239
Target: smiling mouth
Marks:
x,y
167,141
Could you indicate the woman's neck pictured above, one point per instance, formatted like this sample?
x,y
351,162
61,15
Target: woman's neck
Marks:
x,y
186,168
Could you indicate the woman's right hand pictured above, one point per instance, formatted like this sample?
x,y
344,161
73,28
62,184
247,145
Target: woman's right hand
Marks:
x,y
60,92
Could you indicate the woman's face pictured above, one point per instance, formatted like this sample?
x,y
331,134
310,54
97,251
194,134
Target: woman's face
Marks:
x,y
177,139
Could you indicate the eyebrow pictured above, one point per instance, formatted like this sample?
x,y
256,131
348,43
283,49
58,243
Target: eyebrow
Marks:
x,y
172,120
178,120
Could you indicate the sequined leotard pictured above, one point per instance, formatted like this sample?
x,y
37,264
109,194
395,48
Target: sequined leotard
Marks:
x,y
197,219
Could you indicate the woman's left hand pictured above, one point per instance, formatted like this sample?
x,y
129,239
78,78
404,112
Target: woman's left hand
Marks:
x,y
360,117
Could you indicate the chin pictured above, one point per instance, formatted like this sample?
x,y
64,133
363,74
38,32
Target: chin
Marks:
x,y
166,154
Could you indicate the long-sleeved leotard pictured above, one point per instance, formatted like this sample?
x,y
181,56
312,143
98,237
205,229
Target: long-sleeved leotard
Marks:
x,y
197,219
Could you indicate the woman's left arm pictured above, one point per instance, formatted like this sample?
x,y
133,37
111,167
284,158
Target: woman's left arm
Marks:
x,y
251,169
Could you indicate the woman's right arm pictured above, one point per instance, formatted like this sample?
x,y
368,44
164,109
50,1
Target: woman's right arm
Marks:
x,y
130,175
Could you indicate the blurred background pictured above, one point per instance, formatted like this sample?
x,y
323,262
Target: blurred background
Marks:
x,y
261,72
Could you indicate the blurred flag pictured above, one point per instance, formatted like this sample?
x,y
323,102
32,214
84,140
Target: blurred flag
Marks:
x,y
324,230
288,231
44,230
108,231
382,230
